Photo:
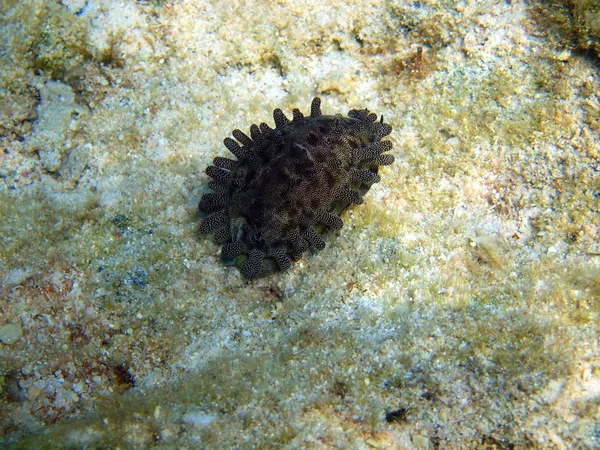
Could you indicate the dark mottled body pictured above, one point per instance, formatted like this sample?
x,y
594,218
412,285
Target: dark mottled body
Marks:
x,y
291,183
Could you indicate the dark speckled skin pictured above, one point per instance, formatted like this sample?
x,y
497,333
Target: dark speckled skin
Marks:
x,y
291,183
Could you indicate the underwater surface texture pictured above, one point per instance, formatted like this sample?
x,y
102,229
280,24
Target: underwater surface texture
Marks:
x,y
458,307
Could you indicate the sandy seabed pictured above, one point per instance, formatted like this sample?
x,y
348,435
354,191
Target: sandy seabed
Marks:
x,y
457,308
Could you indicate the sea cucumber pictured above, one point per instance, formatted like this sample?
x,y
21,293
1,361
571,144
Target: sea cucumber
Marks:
x,y
290,183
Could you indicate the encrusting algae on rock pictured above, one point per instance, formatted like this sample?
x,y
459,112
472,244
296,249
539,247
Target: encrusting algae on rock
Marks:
x,y
290,184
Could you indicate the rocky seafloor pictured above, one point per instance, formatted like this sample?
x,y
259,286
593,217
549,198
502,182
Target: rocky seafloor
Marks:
x,y
457,308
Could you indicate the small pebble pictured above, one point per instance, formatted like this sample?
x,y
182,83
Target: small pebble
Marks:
x,y
27,369
10,333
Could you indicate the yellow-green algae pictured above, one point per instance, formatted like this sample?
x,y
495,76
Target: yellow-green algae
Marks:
x,y
464,290
574,24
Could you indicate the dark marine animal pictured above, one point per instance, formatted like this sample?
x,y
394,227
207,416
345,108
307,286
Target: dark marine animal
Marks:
x,y
290,183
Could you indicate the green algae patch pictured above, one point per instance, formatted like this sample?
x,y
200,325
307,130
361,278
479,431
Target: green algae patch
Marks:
x,y
31,222
423,359
572,24
48,37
